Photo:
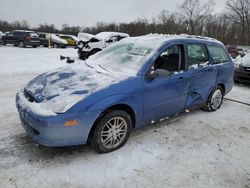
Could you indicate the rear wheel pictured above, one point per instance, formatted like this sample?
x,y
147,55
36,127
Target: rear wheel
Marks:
x,y
215,99
112,131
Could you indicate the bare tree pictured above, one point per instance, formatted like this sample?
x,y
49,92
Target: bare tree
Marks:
x,y
194,13
240,14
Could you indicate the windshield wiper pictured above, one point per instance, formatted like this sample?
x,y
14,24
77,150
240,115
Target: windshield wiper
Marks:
x,y
104,68
88,65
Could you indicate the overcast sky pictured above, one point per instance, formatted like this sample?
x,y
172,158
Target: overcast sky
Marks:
x,y
86,12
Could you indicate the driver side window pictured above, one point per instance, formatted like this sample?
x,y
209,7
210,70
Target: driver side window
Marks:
x,y
171,59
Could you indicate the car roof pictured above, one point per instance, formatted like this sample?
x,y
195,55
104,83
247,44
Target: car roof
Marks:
x,y
23,31
108,34
162,38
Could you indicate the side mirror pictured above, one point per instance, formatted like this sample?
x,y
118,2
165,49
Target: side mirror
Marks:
x,y
161,73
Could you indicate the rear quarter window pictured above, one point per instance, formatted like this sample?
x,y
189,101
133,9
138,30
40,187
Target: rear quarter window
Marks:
x,y
218,54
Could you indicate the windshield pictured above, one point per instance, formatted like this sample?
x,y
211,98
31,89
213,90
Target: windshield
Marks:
x,y
125,57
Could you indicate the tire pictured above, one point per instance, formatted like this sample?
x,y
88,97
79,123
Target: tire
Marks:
x,y
22,44
112,131
34,46
55,45
215,99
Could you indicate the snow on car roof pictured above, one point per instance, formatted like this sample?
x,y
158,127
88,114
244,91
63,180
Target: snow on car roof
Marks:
x,y
107,35
160,39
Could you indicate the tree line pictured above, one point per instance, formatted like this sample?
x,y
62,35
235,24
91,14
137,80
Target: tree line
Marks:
x,y
193,17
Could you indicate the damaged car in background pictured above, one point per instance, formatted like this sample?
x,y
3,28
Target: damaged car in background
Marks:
x,y
98,43
134,83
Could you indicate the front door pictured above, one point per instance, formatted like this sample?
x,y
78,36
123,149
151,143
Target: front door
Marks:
x,y
165,95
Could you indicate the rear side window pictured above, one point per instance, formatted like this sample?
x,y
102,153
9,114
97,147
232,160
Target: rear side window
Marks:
x,y
218,54
197,55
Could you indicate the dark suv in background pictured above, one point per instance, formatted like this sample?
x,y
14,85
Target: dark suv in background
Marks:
x,y
21,38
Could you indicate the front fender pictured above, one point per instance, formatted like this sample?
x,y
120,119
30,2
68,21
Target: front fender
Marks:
x,y
134,102
96,110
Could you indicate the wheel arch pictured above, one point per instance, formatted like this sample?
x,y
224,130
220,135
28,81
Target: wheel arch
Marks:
x,y
121,106
223,87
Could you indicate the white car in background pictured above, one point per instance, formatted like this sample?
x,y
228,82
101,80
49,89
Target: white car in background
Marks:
x,y
47,39
98,42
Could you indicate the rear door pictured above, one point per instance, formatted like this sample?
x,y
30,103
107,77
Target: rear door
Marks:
x,y
201,73
224,65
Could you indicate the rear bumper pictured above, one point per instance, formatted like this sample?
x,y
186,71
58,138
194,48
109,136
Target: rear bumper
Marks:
x,y
50,130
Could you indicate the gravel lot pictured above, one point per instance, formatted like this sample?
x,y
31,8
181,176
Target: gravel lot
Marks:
x,y
198,149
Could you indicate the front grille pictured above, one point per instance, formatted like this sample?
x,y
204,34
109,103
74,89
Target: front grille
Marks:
x,y
28,96
247,69
244,78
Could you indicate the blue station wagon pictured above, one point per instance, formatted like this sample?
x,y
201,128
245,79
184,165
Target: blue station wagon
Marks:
x,y
133,83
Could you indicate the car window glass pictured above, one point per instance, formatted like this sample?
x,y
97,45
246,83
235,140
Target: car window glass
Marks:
x,y
42,36
170,59
94,40
197,55
218,54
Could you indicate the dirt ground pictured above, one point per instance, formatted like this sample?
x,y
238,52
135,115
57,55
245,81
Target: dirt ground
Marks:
x,y
199,149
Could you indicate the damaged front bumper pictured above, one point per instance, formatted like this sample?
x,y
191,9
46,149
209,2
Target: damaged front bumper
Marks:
x,y
51,130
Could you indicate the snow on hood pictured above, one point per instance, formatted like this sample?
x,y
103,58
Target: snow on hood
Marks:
x,y
244,61
59,90
85,36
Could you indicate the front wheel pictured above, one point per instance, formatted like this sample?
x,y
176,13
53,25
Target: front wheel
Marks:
x,y
55,45
215,99
112,131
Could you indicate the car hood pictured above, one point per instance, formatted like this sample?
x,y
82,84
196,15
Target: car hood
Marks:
x,y
246,62
59,90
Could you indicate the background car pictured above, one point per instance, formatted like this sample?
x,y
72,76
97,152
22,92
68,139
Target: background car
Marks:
x,y
133,83
21,38
83,38
71,39
242,69
55,41
98,43
1,40
233,51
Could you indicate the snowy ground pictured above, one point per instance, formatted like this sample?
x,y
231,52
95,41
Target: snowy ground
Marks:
x,y
199,149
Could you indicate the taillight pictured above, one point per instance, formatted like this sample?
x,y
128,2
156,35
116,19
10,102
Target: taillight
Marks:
x,y
28,37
